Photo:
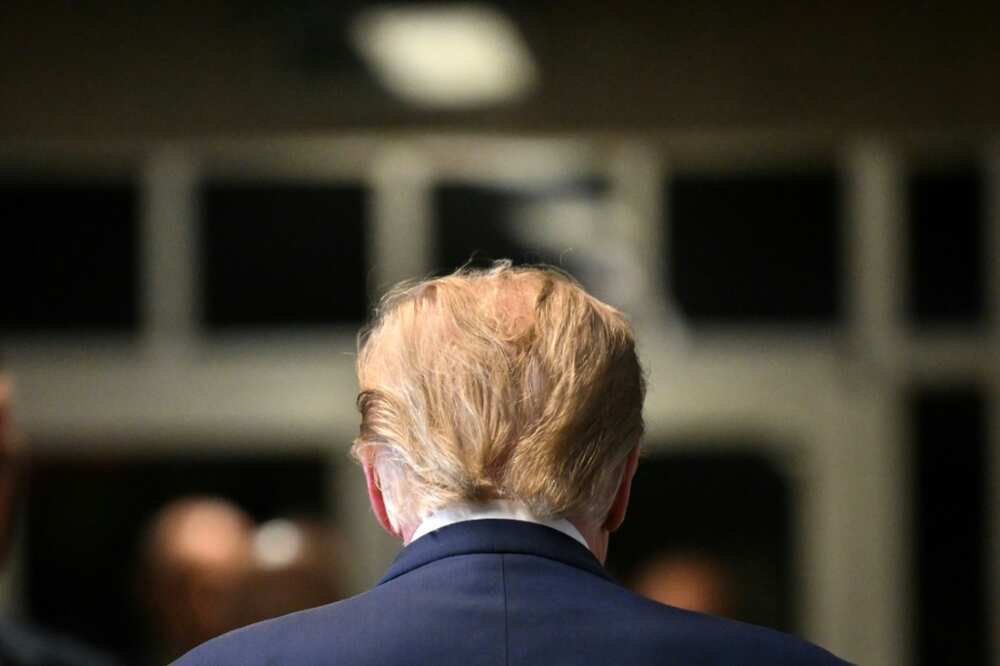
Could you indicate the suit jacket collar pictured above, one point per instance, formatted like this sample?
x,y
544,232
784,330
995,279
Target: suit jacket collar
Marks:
x,y
494,536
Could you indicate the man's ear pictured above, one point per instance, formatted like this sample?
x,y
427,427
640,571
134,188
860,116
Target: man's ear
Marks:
x,y
616,516
377,500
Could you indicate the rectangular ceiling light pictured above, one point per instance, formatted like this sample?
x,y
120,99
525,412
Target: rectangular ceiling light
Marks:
x,y
450,56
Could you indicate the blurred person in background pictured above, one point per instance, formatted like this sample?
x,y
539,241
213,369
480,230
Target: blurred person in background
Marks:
x,y
691,580
296,565
197,565
20,644
501,414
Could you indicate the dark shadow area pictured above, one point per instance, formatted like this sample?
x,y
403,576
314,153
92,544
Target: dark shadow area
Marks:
x,y
946,250
756,247
483,223
950,463
71,249
283,255
86,518
730,510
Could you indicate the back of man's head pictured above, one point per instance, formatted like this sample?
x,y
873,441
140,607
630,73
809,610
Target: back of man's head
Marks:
x,y
505,383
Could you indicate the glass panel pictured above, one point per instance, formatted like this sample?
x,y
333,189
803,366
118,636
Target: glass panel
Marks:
x,y
561,224
710,532
755,247
280,255
947,260
70,256
949,496
88,575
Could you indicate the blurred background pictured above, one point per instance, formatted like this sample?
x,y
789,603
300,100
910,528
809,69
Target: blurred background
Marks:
x,y
798,205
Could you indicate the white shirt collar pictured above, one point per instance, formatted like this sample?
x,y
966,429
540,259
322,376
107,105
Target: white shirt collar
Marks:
x,y
496,509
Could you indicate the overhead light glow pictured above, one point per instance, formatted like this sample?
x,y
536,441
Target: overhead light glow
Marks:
x,y
277,543
445,56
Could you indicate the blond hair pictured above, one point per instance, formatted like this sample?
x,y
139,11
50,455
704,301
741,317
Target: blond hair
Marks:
x,y
504,383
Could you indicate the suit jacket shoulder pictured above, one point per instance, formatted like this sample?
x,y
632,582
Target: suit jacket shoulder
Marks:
x,y
502,593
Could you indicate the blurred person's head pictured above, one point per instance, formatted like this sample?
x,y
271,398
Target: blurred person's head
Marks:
x,y
296,565
506,383
686,579
197,556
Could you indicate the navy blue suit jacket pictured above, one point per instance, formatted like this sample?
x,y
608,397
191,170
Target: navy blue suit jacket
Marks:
x,y
501,593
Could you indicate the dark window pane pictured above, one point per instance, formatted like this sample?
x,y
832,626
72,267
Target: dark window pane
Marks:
x,y
946,256
755,247
481,224
283,255
731,511
70,256
949,495
86,519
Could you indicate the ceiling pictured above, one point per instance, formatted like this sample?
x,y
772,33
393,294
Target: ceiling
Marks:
x,y
168,69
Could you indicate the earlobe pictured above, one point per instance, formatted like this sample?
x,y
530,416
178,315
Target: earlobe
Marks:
x,y
616,516
377,500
